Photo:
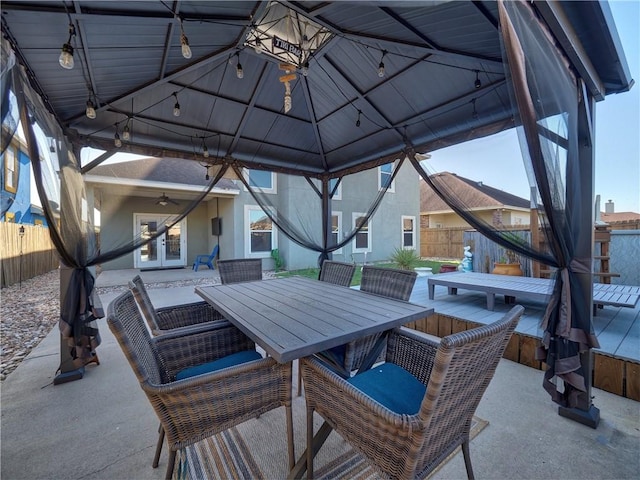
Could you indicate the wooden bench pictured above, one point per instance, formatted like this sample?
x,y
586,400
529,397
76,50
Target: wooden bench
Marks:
x,y
538,289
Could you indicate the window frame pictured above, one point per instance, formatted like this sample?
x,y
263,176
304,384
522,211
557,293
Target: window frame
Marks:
x,y
15,172
274,185
338,194
247,234
413,232
338,215
392,186
354,217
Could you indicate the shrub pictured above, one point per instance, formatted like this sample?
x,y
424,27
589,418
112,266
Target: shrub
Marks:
x,y
405,259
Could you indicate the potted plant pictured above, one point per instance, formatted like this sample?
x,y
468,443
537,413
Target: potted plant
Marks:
x,y
509,263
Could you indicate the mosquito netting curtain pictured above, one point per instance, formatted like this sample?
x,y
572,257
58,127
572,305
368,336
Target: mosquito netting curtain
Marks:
x,y
551,104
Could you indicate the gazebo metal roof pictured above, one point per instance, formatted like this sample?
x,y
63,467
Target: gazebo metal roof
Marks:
x,y
443,81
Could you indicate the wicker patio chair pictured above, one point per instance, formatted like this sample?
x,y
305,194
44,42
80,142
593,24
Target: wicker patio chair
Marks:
x,y
163,320
408,414
240,270
199,384
387,282
339,273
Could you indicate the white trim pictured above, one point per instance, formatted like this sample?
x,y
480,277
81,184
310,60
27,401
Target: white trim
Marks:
x,y
99,179
392,187
413,232
161,260
246,234
354,217
339,232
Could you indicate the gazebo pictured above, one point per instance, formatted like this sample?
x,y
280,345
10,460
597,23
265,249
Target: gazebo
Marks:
x,y
319,90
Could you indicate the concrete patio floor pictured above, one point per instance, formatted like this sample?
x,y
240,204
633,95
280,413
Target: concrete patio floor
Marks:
x,y
102,427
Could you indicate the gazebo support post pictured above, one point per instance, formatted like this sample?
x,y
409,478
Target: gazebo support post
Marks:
x,y
585,413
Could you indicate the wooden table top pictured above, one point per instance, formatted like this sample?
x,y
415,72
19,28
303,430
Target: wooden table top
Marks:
x,y
295,317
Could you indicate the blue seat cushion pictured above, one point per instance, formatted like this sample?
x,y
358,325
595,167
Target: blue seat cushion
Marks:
x,y
224,362
392,386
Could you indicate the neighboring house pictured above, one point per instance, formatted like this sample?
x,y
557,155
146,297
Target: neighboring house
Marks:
x,y
619,220
16,187
126,195
494,206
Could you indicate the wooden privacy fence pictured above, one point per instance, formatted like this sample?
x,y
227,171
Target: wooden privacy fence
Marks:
x,y
442,242
38,253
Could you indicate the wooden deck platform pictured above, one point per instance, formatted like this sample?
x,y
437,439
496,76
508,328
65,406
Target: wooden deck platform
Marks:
x,y
616,362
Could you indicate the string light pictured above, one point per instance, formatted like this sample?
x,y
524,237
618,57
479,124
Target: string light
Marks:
x,y
205,151
184,43
477,83
258,46
474,114
90,112
126,133
176,107
305,68
358,120
239,71
66,55
381,71
116,138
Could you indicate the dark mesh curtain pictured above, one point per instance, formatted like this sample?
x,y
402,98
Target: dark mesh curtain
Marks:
x,y
306,222
548,99
69,211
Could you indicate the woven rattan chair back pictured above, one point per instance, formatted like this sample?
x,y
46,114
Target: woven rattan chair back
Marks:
x,y
388,282
339,273
240,270
128,326
136,285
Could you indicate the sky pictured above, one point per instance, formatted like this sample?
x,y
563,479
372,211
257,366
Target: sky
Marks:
x,y
617,144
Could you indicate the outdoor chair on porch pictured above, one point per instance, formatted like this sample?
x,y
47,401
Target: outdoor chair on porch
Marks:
x,y
163,320
199,384
206,259
240,270
339,273
387,282
407,415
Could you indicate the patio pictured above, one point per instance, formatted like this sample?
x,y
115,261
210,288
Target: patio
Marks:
x,y
111,431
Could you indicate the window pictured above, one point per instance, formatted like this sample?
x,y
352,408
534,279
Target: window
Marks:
x,y
262,179
336,228
384,177
408,232
10,217
362,241
260,237
38,223
332,184
11,169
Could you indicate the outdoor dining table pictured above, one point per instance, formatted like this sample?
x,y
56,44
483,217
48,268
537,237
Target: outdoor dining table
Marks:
x,y
294,317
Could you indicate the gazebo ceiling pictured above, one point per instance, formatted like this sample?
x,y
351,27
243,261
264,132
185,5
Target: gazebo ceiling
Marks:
x,y
443,79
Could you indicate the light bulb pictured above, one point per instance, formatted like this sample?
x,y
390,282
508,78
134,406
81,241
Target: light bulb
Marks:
x,y
66,56
258,46
205,152
186,50
239,71
90,112
116,140
176,110
477,83
305,69
126,133
381,70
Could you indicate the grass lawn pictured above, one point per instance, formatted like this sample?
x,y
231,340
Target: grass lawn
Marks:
x,y
313,272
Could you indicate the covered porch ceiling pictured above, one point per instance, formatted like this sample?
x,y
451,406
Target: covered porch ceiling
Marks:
x,y
443,81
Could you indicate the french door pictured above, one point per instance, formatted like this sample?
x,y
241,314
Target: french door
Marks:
x,y
167,250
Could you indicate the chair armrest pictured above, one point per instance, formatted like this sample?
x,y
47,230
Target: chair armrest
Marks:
x,y
201,406
188,347
413,351
188,314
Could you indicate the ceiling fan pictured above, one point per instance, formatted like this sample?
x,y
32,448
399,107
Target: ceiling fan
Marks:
x,y
164,200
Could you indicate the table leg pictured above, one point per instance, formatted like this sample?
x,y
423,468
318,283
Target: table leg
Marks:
x,y
491,301
432,289
318,440
452,290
